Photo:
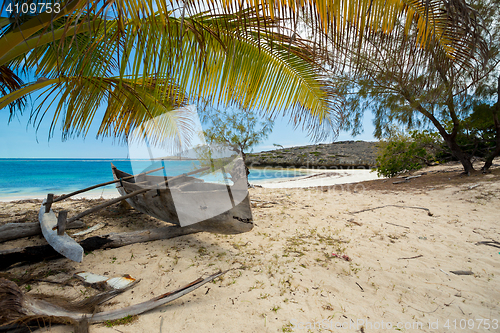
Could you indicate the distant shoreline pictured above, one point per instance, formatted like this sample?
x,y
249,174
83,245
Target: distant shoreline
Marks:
x,y
337,155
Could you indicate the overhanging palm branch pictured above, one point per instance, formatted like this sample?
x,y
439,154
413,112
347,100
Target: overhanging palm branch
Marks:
x,y
451,25
199,56
240,51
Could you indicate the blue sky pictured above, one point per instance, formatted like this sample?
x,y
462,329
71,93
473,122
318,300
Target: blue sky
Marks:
x,y
20,140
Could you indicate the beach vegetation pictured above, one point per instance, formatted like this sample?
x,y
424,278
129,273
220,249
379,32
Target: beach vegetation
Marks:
x,y
240,129
402,152
123,321
417,88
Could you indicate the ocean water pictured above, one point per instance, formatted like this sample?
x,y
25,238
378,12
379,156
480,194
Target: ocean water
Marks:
x,y
34,178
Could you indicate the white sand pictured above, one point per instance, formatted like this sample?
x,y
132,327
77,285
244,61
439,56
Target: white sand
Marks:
x,y
319,177
285,275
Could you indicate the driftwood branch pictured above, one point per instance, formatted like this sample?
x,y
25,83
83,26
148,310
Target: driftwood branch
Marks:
x,y
26,307
12,231
489,243
32,254
415,257
398,225
399,206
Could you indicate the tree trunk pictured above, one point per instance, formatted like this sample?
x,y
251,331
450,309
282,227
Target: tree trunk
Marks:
x,y
457,152
496,152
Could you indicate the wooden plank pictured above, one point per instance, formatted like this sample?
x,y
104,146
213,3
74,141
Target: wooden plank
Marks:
x,y
48,202
61,222
64,244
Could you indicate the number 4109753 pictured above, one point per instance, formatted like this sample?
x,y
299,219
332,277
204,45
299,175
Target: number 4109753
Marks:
x,y
33,8
471,324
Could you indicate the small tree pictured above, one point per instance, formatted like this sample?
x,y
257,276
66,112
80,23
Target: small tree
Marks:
x,y
413,87
241,129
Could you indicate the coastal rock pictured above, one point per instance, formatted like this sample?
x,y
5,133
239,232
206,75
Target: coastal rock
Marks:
x,y
338,155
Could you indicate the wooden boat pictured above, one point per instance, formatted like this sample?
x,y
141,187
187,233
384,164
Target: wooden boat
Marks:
x,y
190,202
63,244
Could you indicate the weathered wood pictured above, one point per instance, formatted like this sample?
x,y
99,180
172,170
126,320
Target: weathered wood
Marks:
x,y
191,201
399,206
103,184
12,231
61,222
48,202
64,244
27,307
39,253
130,195
91,229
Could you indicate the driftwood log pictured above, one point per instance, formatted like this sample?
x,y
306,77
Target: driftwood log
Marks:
x,y
12,231
19,308
39,253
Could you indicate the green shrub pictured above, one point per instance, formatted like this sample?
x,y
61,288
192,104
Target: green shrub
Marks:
x,y
401,152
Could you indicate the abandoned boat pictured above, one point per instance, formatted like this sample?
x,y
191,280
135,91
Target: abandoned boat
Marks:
x,y
189,201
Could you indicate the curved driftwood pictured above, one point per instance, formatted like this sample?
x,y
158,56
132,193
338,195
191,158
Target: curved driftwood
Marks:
x,y
40,307
63,244
23,308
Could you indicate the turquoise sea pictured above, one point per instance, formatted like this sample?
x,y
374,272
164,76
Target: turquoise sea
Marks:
x,y
34,178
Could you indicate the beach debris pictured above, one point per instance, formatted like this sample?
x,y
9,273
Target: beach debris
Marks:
x,y
490,243
11,231
262,203
444,272
360,287
354,222
415,257
104,282
399,206
462,272
22,309
473,186
63,244
422,237
91,229
343,256
398,225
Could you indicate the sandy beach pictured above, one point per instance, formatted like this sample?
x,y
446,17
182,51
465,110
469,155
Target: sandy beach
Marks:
x,y
370,256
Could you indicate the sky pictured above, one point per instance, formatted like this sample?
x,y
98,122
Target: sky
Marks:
x,y
21,140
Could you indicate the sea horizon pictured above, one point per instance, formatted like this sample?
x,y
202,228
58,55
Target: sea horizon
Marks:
x,y
23,178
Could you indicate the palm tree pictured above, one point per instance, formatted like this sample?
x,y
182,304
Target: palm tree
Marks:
x,y
142,63
144,58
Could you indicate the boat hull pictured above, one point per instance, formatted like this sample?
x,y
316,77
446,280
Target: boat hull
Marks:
x,y
210,207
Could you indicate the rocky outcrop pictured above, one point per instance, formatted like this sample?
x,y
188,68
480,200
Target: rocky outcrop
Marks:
x,y
343,154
